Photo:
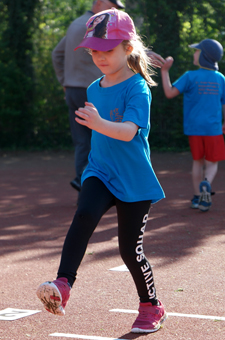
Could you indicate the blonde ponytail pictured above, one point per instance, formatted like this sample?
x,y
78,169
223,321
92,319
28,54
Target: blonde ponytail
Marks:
x,y
138,60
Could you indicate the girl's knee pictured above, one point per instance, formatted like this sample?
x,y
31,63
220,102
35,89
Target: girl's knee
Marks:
x,y
128,254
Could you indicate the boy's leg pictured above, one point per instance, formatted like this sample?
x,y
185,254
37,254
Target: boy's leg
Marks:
x,y
95,200
197,150
205,201
214,152
211,169
197,174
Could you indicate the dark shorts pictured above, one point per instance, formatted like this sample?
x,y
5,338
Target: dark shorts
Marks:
x,y
211,148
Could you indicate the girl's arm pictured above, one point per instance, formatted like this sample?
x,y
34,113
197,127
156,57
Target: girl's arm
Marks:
x,y
90,117
169,90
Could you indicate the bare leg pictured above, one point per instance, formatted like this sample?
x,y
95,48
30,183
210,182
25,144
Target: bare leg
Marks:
x,y
205,200
211,169
197,174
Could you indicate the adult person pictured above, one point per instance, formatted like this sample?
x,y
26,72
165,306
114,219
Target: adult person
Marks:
x,y
75,72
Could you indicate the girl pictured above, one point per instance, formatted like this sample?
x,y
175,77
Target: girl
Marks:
x,y
119,171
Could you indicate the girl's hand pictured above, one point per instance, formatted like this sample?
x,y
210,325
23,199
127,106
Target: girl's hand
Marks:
x,y
167,64
89,116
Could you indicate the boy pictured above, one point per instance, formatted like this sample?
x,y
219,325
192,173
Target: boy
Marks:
x,y
204,102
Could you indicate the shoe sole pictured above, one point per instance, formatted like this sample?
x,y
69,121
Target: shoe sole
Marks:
x,y
194,206
140,330
51,298
204,208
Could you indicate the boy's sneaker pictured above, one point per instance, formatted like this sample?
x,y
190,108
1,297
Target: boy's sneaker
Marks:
x,y
205,200
54,295
149,319
194,202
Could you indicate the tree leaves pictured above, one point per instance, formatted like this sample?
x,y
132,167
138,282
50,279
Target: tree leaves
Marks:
x,y
32,106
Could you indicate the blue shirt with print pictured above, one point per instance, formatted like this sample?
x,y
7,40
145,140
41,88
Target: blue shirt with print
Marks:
x,y
204,95
124,167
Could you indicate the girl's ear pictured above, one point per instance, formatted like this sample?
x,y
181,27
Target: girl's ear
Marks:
x,y
129,49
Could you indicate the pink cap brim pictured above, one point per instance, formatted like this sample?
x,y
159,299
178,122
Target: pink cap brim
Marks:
x,y
99,44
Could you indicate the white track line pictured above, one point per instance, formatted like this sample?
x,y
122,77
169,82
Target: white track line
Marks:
x,y
122,268
209,317
9,314
88,337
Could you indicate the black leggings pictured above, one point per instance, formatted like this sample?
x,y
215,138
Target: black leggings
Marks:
x,y
95,199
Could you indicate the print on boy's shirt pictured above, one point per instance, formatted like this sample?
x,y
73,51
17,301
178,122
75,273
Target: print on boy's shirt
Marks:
x,y
205,87
116,116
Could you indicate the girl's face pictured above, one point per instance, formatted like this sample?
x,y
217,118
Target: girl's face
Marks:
x,y
112,61
98,20
196,57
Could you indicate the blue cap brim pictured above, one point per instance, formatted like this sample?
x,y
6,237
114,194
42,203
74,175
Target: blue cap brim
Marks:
x,y
197,46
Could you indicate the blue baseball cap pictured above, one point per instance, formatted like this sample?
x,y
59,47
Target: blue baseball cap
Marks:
x,y
211,53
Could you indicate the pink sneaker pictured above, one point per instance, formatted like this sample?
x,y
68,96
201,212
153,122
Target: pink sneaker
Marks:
x,y
149,319
54,295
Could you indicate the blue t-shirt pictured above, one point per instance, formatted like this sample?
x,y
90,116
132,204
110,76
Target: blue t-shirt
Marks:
x,y
124,167
204,95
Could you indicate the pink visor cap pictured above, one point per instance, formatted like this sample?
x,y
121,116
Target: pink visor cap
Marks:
x,y
107,29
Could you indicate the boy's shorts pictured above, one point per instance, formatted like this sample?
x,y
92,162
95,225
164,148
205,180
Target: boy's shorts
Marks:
x,y
211,148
